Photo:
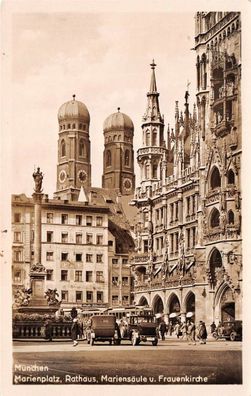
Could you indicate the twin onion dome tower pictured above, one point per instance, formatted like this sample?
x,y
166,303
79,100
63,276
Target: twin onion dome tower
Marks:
x,y
74,151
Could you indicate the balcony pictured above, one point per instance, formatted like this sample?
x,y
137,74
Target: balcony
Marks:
x,y
150,150
213,196
141,259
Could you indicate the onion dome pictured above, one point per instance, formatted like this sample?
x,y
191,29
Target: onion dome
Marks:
x,y
117,122
73,110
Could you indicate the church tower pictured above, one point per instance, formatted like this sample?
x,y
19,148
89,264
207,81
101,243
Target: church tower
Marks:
x,y
153,150
74,151
118,165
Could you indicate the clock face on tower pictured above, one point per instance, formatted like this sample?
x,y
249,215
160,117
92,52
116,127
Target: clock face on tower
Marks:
x,y
62,176
127,184
82,175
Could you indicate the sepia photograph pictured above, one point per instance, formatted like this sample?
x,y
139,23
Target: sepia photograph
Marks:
x,y
124,152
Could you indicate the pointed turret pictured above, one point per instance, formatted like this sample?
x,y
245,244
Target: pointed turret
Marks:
x,y
153,85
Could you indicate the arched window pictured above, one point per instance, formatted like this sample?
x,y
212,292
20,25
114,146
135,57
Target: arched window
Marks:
x,y
230,177
230,217
215,218
82,151
215,178
127,158
204,71
63,149
155,171
147,138
108,158
73,126
155,138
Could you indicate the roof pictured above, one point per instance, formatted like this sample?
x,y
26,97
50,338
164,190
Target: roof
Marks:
x,y
72,110
117,122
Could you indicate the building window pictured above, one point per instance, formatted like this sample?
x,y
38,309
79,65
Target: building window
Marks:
x,y
145,245
64,275
64,295
32,236
89,239
99,239
64,219
82,150
155,171
79,257
125,300
215,218
115,280
148,143
49,274
99,276
17,276
78,220
115,261
100,297
110,243
78,276
89,258
79,238
177,242
89,296
49,236
17,217
188,238
64,256
17,255
155,135
89,220
230,217
17,236
49,218
194,236
88,276
108,158
99,221
127,158
78,297
63,150
115,300
125,281
124,261
64,237
99,258
49,256
215,178
230,177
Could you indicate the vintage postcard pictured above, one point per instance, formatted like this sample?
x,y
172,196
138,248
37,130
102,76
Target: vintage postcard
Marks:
x,y
125,181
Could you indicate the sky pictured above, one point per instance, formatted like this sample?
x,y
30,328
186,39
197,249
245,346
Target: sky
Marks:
x,y
104,59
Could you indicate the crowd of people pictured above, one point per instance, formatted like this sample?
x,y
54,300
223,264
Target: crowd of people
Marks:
x,y
184,330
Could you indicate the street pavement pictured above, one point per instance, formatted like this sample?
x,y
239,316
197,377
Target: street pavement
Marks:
x,y
170,362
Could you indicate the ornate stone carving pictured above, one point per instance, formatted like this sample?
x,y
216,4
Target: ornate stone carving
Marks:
x,y
22,297
38,179
51,296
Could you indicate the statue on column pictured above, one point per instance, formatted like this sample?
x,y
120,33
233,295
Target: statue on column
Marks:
x,y
38,179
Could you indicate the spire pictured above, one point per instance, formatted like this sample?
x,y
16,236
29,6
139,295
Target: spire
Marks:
x,y
153,85
176,110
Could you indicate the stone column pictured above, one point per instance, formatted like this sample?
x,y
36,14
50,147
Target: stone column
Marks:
x,y
37,198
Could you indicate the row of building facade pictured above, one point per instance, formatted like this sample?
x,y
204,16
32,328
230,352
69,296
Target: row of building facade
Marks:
x,y
174,243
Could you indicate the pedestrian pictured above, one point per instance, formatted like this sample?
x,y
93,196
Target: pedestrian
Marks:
x,y
191,332
48,329
177,329
75,331
213,327
202,332
162,329
183,330
74,313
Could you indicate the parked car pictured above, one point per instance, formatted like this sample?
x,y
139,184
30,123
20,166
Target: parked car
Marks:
x,y
103,328
232,330
142,328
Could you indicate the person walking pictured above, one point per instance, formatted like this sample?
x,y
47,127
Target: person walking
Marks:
x,y
162,330
191,333
75,331
177,329
183,330
202,332
48,329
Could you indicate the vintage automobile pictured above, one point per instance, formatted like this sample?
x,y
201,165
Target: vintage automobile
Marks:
x,y
232,330
103,328
141,328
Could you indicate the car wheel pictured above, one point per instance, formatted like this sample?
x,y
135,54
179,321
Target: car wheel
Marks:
x,y
232,336
110,342
155,342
